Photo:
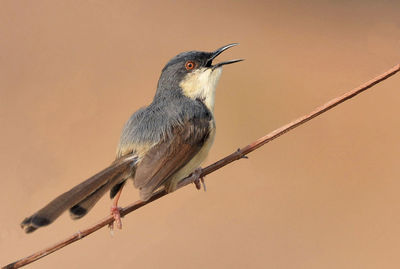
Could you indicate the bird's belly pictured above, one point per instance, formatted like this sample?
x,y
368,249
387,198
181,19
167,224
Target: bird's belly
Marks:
x,y
195,162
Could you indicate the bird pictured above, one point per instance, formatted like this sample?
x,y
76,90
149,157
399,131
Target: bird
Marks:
x,y
160,144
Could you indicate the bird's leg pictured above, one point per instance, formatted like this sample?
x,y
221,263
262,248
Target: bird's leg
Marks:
x,y
115,211
199,179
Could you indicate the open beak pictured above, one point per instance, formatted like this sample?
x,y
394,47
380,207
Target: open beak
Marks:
x,y
218,52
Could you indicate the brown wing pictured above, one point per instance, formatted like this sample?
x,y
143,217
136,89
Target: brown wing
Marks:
x,y
171,154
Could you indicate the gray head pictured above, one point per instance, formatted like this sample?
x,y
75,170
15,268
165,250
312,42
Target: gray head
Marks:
x,y
194,74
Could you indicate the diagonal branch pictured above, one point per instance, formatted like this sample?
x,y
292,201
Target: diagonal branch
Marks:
x,y
240,153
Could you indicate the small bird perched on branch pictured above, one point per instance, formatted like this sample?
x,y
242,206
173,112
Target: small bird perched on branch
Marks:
x,y
159,145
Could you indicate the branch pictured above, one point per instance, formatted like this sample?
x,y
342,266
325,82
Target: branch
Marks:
x,y
239,154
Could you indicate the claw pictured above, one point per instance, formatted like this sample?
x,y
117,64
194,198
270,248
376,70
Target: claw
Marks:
x,y
111,227
197,184
199,181
115,212
203,183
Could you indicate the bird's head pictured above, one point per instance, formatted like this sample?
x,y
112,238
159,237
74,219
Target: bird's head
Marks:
x,y
194,74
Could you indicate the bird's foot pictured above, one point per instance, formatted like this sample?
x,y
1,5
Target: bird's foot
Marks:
x,y
199,180
115,212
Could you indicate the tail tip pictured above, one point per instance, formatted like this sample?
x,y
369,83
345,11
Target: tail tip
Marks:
x,y
33,223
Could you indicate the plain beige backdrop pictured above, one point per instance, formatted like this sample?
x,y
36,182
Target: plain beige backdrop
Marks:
x,y
326,195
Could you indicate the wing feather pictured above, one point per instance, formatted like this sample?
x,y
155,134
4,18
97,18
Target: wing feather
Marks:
x,y
166,158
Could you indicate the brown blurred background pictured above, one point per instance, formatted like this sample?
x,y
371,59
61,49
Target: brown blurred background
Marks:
x,y
322,196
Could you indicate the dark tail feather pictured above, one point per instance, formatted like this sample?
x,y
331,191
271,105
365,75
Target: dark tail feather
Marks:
x,y
83,207
120,168
116,188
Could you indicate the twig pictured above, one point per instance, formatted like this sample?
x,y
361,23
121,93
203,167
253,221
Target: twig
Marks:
x,y
239,154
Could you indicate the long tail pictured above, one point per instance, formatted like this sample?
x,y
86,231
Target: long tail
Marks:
x,y
82,197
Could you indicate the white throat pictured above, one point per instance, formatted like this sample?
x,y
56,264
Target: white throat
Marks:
x,y
202,84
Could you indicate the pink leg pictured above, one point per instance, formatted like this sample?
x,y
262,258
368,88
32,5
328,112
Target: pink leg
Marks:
x,y
115,211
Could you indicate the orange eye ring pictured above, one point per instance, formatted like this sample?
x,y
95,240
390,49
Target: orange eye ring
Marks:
x,y
189,65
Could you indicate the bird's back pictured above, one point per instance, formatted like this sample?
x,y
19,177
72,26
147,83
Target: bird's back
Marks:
x,y
156,122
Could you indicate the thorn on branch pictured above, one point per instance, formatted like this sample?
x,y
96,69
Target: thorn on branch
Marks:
x,y
241,155
79,234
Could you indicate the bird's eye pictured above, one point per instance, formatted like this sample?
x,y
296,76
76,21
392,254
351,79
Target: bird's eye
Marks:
x,y
189,65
